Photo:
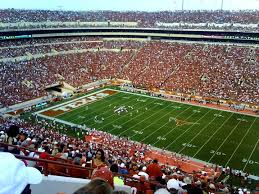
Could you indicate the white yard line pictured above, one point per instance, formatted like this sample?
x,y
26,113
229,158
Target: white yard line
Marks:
x,y
102,112
185,130
181,102
78,113
170,100
156,121
82,127
70,122
250,155
64,122
199,133
116,113
224,141
162,126
136,117
240,143
121,117
212,135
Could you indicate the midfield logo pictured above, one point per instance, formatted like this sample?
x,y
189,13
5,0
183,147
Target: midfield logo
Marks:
x,y
180,122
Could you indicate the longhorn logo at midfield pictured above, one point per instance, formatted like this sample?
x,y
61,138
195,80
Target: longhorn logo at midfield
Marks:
x,y
180,122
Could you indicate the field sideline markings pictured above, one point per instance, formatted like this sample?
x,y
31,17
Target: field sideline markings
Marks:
x,y
199,132
104,111
180,103
164,124
69,122
116,114
250,155
189,127
171,100
56,118
233,129
82,111
83,106
73,124
85,121
213,135
240,142
137,115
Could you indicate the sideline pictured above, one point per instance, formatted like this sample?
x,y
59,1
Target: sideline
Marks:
x,y
192,103
196,162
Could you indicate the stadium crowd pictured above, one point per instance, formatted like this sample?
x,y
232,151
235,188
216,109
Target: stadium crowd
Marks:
x,y
143,19
89,65
218,71
208,70
108,154
223,71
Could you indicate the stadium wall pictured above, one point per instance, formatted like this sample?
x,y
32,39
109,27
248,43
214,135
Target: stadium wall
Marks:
x,y
55,184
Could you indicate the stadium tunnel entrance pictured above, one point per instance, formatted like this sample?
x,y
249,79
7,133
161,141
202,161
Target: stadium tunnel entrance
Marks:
x,y
62,89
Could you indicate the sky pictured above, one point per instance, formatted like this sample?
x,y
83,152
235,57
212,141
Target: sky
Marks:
x,y
130,5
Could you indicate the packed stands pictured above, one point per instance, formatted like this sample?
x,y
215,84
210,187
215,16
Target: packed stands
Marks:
x,y
224,20
216,70
88,60
222,71
198,69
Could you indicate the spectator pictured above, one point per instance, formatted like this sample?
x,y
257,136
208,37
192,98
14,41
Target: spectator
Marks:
x,y
205,19
96,186
174,187
99,160
12,134
191,188
116,179
104,174
19,176
123,169
11,138
154,170
134,169
143,173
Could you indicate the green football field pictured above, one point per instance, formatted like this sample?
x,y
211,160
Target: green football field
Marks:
x,y
215,136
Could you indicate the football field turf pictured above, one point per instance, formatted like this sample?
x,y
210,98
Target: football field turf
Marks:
x,y
215,136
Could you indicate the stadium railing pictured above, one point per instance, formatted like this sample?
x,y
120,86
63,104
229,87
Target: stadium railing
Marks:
x,y
59,168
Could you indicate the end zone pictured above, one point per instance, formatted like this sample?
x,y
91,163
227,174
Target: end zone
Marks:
x,y
57,110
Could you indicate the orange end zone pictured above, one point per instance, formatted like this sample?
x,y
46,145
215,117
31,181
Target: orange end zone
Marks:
x,y
77,103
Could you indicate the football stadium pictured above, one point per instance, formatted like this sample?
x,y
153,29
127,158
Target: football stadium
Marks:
x,y
145,99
